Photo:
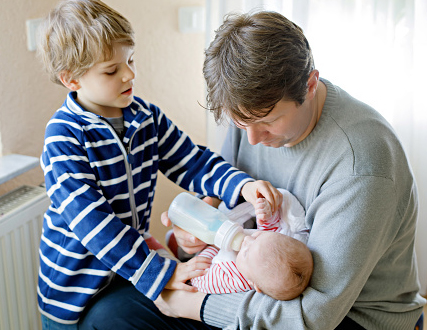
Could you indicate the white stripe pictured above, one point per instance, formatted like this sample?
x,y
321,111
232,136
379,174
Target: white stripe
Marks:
x,y
60,138
159,279
64,232
218,182
144,145
64,252
177,145
160,118
66,271
209,175
182,162
137,275
100,143
61,121
119,197
95,126
147,163
141,207
225,186
106,183
85,211
59,304
145,184
107,161
167,134
124,215
65,176
97,229
128,256
238,188
71,197
63,158
66,288
112,243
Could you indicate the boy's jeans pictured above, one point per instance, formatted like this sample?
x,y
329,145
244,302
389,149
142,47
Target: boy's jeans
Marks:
x,y
48,324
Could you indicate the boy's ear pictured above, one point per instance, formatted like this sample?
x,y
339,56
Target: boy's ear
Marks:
x,y
68,81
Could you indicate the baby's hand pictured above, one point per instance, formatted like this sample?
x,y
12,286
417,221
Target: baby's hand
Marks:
x,y
251,191
262,210
185,271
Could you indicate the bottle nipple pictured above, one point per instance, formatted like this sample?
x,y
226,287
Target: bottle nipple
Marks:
x,y
229,236
237,241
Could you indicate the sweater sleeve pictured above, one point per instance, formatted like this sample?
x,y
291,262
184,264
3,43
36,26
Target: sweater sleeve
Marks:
x,y
72,186
353,226
196,168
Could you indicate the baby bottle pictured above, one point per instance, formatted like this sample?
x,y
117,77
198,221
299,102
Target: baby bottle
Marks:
x,y
205,222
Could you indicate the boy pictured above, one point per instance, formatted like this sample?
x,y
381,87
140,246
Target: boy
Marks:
x,y
102,151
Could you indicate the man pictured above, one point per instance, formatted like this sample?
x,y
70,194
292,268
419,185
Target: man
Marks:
x,y
343,162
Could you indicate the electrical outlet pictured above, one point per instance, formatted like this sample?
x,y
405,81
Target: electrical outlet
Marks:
x,y
32,26
191,19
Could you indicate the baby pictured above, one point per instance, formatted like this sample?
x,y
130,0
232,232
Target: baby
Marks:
x,y
273,260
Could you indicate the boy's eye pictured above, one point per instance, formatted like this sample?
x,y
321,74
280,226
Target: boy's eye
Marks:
x,y
111,72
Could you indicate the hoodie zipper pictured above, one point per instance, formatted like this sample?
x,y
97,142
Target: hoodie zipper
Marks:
x,y
128,159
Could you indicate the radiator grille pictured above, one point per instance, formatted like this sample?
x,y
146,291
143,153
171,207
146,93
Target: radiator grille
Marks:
x,y
18,198
21,217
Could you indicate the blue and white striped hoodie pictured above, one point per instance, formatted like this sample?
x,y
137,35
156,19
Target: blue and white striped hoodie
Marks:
x,y
101,192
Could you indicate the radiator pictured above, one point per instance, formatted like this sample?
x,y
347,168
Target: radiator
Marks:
x,y
21,217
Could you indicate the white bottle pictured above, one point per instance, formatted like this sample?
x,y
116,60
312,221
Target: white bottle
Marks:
x,y
205,222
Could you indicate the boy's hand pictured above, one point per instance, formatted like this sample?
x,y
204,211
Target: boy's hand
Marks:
x,y
185,271
251,191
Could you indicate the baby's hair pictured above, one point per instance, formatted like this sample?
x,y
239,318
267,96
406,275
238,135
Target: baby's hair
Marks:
x,y
290,265
79,33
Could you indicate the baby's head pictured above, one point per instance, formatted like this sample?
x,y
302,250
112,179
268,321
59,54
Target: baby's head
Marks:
x,y
79,33
277,265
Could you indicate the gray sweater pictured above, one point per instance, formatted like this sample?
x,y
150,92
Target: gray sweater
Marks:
x,y
353,179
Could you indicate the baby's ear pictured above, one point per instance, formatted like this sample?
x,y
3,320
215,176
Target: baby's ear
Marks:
x,y
68,81
257,289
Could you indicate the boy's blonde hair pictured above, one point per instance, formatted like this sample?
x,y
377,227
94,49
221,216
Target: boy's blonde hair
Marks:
x,y
79,33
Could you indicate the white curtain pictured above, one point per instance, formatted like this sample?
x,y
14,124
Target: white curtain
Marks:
x,y
374,49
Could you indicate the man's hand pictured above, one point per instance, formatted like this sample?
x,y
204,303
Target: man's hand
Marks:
x,y
179,303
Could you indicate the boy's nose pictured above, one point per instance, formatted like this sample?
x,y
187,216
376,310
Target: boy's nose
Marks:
x,y
129,74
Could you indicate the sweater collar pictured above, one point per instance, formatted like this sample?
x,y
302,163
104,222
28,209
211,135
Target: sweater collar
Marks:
x,y
133,110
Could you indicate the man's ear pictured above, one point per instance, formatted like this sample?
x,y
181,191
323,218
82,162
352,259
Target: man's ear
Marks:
x,y
68,81
312,83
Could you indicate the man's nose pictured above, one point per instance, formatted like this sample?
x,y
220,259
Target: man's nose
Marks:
x,y
254,134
